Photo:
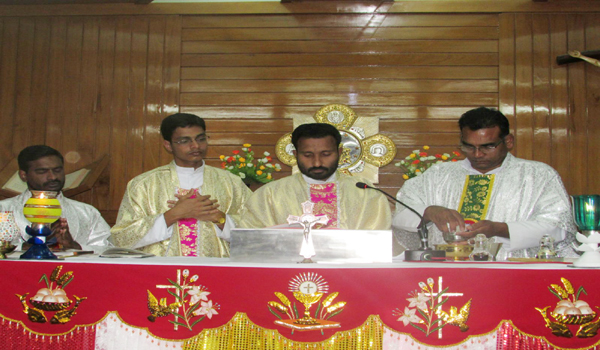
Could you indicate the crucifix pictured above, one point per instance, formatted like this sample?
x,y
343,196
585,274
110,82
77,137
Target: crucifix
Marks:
x,y
307,220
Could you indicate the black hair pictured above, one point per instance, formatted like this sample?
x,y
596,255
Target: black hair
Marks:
x,y
315,131
179,120
483,118
31,153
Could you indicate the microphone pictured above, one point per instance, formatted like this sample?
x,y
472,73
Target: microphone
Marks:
x,y
424,253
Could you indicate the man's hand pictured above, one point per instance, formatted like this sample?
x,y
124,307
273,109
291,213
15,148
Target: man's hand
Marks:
x,y
488,228
446,220
60,231
200,208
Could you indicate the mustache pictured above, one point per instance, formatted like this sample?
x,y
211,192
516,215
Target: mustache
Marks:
x,y
318,168
53,182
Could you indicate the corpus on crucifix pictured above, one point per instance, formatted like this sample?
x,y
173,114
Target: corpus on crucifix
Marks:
x,y
307,220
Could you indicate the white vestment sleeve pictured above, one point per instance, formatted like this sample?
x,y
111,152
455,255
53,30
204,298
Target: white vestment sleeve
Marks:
x,y
526,234
158,233
404,219
225,233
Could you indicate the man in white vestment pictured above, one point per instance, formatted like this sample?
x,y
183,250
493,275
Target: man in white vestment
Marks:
x,y
317,151
185,208
80,227
513,200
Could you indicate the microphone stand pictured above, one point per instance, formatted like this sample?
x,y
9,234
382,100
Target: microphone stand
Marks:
x,y
424,253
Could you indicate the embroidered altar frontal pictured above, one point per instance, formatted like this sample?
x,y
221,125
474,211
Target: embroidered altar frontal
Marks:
x,y
191,303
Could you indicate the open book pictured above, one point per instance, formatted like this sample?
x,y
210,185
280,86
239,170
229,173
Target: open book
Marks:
x,y
124,253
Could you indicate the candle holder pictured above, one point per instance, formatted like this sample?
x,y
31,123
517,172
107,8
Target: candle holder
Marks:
x,y
586,212
42,209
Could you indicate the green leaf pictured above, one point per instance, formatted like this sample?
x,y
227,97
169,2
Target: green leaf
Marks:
x,y
425,316
295,310
180,324
45,278
579,291
437,328
557,295
417,327
68,281
198,320
175,295
178,315
273,312
317,310
175,284
335,313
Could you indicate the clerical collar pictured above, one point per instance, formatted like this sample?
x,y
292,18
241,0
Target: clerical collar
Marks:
x,y
189,170
472,171
311,181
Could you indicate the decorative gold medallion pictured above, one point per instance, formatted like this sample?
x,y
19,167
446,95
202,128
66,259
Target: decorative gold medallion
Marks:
x,y
53,298
360,153
426,309
308,289
570,310
191,304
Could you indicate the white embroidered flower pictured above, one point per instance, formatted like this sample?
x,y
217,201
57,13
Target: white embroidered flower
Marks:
x,y
409,316
419,300
197,295
206,309
186,273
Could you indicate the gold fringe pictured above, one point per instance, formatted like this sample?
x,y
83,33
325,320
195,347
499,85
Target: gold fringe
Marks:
x,y
241,333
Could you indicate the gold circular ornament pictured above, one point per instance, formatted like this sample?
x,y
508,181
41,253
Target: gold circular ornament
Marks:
x,y
222,221
340,116
284,150
378,150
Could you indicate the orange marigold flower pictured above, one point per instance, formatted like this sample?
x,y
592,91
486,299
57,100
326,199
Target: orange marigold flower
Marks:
x,y
242,159
455,160
230,159
246,145
416,161
223,165
236,152
423,154
456,153
262,167
426,147
444,158
405,177
269,158
438,155
269,176
412,155
259,172
222,157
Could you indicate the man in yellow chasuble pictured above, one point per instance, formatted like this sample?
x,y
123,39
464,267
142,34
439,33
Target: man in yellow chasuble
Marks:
x,y
317,151
513,200
183,208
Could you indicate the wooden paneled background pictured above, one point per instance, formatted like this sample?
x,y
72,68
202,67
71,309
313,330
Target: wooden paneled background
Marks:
x,y
99,82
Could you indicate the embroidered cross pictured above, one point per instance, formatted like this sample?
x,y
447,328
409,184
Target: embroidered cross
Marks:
x,y
177,292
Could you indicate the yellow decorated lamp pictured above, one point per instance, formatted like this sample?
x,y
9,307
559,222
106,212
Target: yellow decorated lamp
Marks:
x,y
42,209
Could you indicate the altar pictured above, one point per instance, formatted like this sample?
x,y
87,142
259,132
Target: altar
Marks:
x,y
196,303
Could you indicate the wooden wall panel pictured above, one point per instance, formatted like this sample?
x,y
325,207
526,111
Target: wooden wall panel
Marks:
x,y
416,72
552,108
90,86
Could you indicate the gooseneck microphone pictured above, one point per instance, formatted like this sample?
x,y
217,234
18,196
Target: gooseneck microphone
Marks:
x,y
424,252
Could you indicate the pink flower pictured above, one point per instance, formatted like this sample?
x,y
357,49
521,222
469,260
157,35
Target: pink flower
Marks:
x,y
206,309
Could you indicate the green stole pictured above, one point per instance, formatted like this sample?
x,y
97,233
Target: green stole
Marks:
x,y
475,198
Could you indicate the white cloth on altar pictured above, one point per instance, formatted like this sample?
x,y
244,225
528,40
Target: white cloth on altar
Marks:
x,y
189,178
528,196
86,225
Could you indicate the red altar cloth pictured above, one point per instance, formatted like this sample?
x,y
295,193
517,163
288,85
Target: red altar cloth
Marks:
x,y
496,292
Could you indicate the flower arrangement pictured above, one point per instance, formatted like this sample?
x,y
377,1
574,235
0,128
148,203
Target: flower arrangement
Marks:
x,y
243,165
419,161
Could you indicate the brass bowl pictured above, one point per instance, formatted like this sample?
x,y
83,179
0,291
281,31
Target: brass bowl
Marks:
x,y
573,319
456,251
50,306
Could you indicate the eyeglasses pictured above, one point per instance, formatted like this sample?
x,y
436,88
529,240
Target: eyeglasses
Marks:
x,y
483,148
186,141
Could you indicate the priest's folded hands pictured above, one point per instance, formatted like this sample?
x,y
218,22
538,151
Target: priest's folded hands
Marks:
x,y
200,208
